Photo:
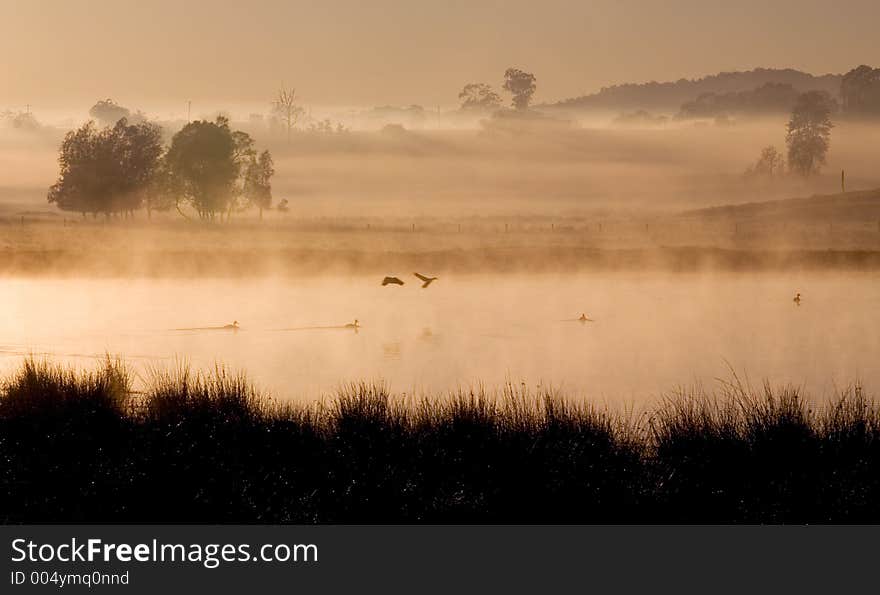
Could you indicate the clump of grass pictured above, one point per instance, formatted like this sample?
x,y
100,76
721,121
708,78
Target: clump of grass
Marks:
x,y
221,397
62,435
209,447
42,389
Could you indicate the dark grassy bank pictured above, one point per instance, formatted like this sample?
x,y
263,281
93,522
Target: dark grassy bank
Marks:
x,y
77,447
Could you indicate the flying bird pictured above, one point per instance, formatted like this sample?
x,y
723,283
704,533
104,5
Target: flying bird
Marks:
x,y
391,281
585,318
425,280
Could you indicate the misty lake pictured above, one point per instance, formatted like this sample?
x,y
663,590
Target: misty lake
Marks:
x,y
651,332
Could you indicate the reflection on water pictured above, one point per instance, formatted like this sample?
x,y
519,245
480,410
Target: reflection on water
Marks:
x,y
649,332
392,350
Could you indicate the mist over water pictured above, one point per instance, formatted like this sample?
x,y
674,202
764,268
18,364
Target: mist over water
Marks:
x,y
651,331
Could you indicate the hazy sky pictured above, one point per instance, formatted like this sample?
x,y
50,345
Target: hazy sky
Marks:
x,y
365,52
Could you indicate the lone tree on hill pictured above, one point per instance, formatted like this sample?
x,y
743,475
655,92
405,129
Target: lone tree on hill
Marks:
x,y
521,85
809,132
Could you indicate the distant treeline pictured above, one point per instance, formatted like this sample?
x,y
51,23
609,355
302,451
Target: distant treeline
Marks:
x,y
753,92
670,96
79,447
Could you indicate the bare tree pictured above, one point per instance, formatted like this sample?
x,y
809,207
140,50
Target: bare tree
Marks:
x,y
287,110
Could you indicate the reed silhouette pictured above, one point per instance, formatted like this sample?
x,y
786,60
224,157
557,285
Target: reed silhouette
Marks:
x,y
210,448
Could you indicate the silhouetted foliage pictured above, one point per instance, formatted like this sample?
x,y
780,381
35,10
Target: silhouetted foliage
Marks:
x,y
479,96
521,85
207,166
860,91
197,448
107,170
809,132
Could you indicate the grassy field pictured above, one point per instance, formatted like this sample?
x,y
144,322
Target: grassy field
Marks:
x,y
825,232
209,448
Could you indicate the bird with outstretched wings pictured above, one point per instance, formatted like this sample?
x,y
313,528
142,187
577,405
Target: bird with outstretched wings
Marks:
x,y
425,280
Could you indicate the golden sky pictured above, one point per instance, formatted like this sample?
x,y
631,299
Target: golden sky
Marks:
x,y
371,52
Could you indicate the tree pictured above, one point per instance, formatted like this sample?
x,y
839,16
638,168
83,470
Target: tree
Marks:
x,y
107,170
809,132
160,194
860,90
769,165
208,166
257,185
107,112
521,85
286,109
479,96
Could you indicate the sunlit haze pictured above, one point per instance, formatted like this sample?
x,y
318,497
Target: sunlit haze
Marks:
x,y
158,55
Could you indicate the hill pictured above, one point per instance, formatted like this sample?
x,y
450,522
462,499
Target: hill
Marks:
x,y
849,207
670,96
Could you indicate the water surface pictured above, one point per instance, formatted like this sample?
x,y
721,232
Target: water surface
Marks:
x,y
651,333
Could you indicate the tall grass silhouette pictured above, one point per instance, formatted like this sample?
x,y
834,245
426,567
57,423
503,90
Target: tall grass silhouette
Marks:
x,y
208,447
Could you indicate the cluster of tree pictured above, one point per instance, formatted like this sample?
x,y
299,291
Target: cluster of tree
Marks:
x,y
325,126
768,98
125,167
107,170
481,96
860,91
808,137
20,120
